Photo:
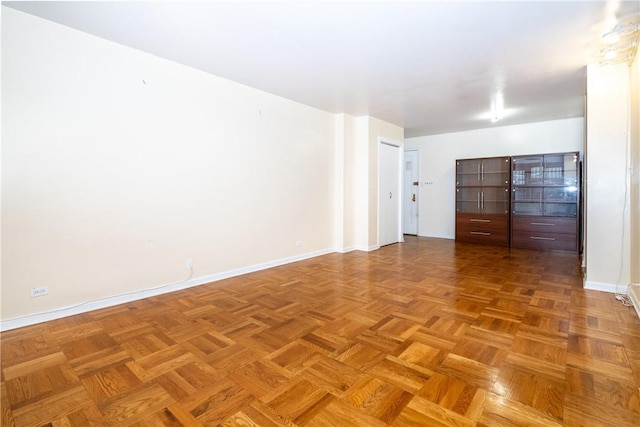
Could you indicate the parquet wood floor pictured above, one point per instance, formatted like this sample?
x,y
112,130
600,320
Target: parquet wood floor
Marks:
x,y
428,332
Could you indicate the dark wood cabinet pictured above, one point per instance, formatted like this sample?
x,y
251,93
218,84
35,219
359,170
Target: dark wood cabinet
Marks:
x,y
487,229
545,201
482,200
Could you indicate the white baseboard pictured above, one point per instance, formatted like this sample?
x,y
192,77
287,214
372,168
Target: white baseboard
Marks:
x,y
32,319
634,296
605,287
357,248
438,236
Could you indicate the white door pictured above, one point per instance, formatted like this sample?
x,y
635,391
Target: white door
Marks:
x,y
389,196
410,183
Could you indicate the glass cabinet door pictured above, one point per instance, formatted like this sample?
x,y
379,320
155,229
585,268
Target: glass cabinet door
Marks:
x,y
487,200
560,169
527,208
561,201
563,169
561,209
495,171
545,185
494,200
554,170
566,194
468,200
528,170
468,172
467,179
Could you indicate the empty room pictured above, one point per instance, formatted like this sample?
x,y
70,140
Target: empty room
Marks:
x,y
320,213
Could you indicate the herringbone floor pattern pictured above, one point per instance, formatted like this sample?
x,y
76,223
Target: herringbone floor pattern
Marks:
x,y
424,333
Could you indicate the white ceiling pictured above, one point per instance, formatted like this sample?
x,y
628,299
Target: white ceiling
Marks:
x,y
430,67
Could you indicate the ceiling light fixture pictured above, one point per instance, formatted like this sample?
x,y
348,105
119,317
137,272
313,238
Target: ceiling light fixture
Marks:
x,y
612,51
497,107
615,52
614,35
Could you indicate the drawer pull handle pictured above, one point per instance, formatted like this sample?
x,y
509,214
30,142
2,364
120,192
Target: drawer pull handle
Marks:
x,y
542,238
541,223
482,233
479,220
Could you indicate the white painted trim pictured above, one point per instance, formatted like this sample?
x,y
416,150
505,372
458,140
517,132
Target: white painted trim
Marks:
x,y
84,307
357,248
634,296
346,249
438,236
604,287
367,248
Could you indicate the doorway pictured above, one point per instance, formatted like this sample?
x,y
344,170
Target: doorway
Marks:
x,y
410,186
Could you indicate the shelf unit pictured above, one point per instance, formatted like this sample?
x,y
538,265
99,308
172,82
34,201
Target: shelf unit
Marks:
x,y
545,201
482,200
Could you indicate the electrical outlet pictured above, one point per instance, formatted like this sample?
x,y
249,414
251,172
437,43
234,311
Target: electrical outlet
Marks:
x,y
39,292
189,263
299,243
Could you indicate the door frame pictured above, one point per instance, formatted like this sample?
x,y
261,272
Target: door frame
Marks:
x,y
417,165
400,146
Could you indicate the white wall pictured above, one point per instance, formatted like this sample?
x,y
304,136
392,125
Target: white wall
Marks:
x,y
607,184
345,194
118,166
439,152
361,182
357,190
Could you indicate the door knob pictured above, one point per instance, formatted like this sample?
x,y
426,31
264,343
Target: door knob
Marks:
x,y
413,198
416,183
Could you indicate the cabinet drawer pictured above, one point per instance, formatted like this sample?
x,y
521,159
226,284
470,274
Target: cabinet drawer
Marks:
x,y
496,238
541,224
483,222
544,241
484,229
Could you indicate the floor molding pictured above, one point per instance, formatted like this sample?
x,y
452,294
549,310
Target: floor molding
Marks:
x,y
604,287
32,319
634,296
